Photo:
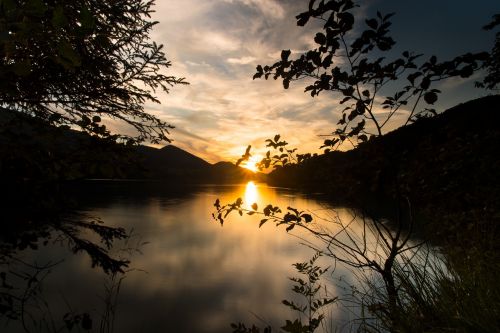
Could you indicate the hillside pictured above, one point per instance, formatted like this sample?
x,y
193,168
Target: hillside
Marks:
x,y
31,150
459,147
170,162
174,164
447,166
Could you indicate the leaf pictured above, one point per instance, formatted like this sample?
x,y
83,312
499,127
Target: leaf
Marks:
x,y
257,75
426,82
302,19
346,20
290,227
372,23
345,99
388,16
320,38
295,327
262,222
307,217
268,210
285,54
430,97
466,72
327,62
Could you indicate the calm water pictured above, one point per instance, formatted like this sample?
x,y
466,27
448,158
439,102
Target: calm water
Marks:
x,y
187,272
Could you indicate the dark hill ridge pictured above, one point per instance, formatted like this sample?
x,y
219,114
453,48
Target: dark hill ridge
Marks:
x,y
170,161
30,149
462,143
450,163
174,164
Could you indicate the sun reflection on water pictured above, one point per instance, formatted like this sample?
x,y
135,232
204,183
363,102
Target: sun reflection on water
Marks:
x,y
251,194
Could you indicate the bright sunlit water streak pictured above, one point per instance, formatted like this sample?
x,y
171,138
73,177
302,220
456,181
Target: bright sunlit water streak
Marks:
x,y
251,194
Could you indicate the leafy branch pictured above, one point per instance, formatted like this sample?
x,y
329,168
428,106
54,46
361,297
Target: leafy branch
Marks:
x,y
73,63
279,155
348,64
373,245
308,287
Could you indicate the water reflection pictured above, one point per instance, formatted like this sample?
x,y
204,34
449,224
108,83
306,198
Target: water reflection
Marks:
x,y
31,250
192,275
251,194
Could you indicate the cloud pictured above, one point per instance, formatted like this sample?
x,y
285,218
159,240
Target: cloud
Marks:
x,y
242,61
215,45
223,110
269,8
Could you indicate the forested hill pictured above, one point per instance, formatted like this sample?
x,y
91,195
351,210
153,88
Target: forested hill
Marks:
x,y
174,164
32,150
451,161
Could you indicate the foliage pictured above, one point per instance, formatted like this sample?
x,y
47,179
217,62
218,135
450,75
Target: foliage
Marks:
x,y
22,296
379,248
405,285
32,152
492,80
307,287
74,62
353,66
279,155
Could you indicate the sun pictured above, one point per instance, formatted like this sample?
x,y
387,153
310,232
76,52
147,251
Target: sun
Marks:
x,y
251,164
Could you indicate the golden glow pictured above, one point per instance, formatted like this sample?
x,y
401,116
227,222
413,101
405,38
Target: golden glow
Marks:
x,y
251,164
251,194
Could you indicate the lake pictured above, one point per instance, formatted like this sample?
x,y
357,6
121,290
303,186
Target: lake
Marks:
x,y
187,273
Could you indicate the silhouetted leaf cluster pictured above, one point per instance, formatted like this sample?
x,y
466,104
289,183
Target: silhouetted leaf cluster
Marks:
x,y
308,288
73,62
291,218
492,80
83,320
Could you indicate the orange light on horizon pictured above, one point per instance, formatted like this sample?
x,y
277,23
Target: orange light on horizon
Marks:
x,y
251,164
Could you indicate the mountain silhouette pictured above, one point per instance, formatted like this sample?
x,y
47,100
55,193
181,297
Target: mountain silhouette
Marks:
x,y
174,164
31,149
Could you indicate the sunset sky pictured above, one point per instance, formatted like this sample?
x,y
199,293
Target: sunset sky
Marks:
x,y
216,45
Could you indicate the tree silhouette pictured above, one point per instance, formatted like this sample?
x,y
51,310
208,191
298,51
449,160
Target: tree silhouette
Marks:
x,y
354,66
73,62
492,80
